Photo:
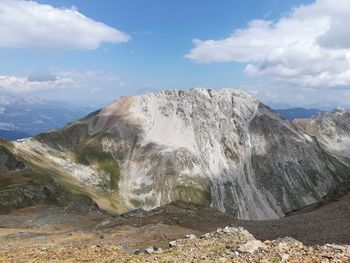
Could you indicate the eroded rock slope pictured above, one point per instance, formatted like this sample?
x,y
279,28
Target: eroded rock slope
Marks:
x,y
24,185
222,149
332,130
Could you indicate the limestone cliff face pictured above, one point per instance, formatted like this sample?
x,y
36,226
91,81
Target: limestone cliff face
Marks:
x,y
332,130
219,148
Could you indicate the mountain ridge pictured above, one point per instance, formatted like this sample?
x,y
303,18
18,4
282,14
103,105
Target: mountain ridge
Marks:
x,y
22,117
219,148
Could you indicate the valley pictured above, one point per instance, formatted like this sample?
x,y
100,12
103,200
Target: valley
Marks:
x,y
23,117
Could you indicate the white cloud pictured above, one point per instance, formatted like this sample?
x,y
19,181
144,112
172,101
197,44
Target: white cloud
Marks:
x,y
37,81
20,84
28,24
309,47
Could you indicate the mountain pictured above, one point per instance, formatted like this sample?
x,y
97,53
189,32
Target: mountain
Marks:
x,y
298,113
13,134
332,130
24,184
24,117
328,105
320,106
222,149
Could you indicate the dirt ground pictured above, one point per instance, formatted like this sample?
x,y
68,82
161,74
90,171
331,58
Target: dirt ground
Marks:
x,y
30,233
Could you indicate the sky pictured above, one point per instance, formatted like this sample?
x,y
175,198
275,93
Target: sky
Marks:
x,y
91,52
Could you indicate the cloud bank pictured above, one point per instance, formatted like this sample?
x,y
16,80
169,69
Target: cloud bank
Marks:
x,y
28,24
33,83
65,80
309,47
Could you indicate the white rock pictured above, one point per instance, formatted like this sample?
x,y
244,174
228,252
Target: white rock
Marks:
x,y
284,258
172,243
191,236
251,246
150,250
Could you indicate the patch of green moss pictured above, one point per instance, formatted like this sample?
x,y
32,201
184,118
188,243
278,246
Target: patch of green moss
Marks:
x,y
148,201
110,166
192,194
136,203
90,152
143,189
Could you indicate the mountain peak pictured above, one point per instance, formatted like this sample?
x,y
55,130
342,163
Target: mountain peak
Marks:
x,y
171,117
222,149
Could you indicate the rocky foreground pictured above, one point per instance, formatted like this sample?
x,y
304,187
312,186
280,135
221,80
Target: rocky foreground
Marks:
x,y
229,244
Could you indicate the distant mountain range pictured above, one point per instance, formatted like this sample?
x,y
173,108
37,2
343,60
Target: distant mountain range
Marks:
x,y
298,113
24,117
321,106
13,135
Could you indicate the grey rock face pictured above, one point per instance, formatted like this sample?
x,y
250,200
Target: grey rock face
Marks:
x,y
21,187
332,130
217,148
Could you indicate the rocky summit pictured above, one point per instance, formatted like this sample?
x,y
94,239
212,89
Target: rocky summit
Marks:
x,y
222,149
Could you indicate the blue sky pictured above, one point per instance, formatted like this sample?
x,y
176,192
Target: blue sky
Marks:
x,y
157,50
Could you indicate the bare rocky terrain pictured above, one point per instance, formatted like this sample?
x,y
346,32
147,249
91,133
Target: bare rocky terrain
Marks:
x,y
62,194
53,234
217,148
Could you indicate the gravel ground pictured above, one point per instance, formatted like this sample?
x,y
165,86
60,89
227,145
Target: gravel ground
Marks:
x,y
224,245
51,234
